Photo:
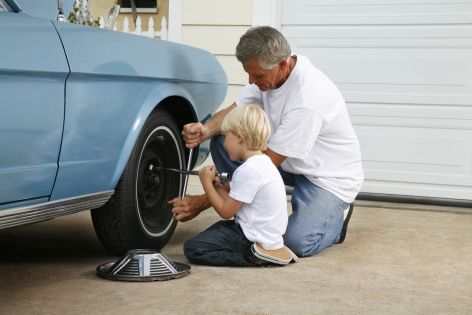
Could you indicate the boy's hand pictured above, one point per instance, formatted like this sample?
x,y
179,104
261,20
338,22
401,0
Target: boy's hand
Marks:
x,y
217,182
207,174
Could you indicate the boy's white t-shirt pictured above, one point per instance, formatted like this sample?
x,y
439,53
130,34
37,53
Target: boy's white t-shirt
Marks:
x,y
312,128
263,216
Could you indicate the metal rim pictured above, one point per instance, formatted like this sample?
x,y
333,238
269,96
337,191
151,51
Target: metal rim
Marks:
x,y
161,148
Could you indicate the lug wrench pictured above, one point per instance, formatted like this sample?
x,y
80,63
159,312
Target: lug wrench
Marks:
x,y
189,164
223,176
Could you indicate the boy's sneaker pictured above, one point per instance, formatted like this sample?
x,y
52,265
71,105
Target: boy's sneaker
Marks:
x,y
253,261
347,217
259,256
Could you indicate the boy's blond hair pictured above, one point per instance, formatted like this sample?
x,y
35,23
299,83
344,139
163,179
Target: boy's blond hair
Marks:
x,y
250,123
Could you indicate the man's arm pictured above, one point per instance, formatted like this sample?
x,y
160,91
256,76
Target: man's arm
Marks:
x,y
189,207
214,124
276,158
196,133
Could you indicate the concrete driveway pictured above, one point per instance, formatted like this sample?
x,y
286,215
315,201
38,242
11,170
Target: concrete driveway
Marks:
x,y
392,262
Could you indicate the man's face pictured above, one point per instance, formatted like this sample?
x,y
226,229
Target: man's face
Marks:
x,y
263,78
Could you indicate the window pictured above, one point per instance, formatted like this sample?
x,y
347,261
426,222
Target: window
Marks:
x,y
144,6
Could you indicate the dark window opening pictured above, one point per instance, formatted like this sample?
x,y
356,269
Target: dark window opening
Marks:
x,y
139,3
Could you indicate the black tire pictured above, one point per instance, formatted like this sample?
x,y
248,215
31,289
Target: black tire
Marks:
x,y
138,215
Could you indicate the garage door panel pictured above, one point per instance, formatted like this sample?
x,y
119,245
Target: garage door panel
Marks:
x,y
342,12
418,189
431,35
400,76
401,120
444,116
404,98
405,70
412,154
422,75
395,43
449,70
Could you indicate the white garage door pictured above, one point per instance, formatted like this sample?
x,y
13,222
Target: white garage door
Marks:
x,y
405,69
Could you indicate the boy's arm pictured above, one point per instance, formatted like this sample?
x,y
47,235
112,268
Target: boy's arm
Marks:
x,y
221,201
219,198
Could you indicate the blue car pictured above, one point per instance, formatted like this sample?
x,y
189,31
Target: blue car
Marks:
x,y
87,119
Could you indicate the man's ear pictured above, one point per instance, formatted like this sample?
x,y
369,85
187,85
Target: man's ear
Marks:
x,y
283,63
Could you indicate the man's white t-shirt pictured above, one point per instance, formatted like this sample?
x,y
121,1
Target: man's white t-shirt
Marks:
x,y
263,216
312,128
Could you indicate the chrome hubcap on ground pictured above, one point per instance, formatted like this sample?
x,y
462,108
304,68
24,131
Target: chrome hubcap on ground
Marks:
x,y
143,265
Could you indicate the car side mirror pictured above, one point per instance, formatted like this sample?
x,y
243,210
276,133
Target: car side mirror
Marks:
x,y
60,9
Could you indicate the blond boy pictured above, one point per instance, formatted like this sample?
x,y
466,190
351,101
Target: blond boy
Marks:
x,y
256,198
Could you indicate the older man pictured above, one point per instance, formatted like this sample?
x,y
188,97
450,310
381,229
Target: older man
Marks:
x,y
313,142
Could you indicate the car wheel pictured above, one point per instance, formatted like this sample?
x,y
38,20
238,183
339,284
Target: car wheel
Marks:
x,y
138,215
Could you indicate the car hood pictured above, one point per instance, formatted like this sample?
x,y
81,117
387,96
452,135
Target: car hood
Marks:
x,y
102,52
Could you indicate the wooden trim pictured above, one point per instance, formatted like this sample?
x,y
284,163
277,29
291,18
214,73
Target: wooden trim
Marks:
x,y
267,12
139,10
175,21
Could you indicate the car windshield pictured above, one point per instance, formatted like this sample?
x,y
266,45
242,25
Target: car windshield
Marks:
x,y
4,6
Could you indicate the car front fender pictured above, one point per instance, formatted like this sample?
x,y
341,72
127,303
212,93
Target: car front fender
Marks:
x,y
116,81
101,127
155,100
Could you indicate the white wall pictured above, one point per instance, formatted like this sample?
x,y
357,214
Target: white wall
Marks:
x,y
217,26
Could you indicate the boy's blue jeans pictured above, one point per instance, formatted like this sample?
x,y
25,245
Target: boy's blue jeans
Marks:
x,y
222,244
317,214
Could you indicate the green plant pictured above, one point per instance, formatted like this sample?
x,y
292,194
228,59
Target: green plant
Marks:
x,y
80,14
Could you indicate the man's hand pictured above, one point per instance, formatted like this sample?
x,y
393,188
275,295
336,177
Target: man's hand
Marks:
x,y
189,207
194,134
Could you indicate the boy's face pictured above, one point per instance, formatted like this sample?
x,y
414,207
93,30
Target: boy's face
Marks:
x,y
234,146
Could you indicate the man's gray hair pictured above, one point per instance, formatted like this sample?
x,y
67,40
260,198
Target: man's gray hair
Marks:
x,y
265,43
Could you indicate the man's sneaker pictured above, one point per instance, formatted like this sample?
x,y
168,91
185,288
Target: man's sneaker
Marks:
x,y
346,222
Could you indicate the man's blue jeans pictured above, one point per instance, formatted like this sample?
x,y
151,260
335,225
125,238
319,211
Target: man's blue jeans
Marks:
x,y
317,214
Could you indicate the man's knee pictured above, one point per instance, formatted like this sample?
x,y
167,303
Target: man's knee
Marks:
x,y
303,245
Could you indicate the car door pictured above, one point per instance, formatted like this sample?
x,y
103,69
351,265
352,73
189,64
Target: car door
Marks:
x,y
33,70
